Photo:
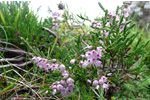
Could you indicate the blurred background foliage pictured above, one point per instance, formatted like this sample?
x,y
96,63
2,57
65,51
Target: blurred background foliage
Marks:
x,y
19,21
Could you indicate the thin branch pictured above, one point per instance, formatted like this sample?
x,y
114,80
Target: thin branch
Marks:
x,y
52,33
22,69
17,51
19,65
95,93
2,42
24,85
12,59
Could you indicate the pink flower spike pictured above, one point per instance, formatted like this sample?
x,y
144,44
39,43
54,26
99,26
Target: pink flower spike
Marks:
x,y
72,61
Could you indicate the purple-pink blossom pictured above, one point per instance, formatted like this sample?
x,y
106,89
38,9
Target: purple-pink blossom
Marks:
x,y
62,67
95,82
105,86
101,42
72,61
104,78
89,81
70,80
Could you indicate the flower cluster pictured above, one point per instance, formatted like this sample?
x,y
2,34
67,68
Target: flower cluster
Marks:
x,y
46,65
55,17
93,57
64,87
97,24
117,17
99,82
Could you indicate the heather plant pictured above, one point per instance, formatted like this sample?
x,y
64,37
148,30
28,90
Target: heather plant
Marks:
x,y
104,63
103,66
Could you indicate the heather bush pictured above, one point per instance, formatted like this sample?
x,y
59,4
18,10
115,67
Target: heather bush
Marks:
x,y
105,62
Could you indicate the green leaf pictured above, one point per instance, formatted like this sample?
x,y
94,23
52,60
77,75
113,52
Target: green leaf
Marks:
x,y
101,6
17,17
3,19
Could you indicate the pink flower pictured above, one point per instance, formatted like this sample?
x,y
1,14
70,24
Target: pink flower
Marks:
x,y
104,78
121,27
59,87
126,15
85,64
88,54
105,86
95,82
83,56
47,67
62,82
94,25
117,18
106,33
46,92
97,63
97,87
54,14
124,21
72,61
54,60
101,81
54,66
108,24
70,80
62,67
81,62
126,10
56,19
101,42
65,74
89,81
54,91
76,55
